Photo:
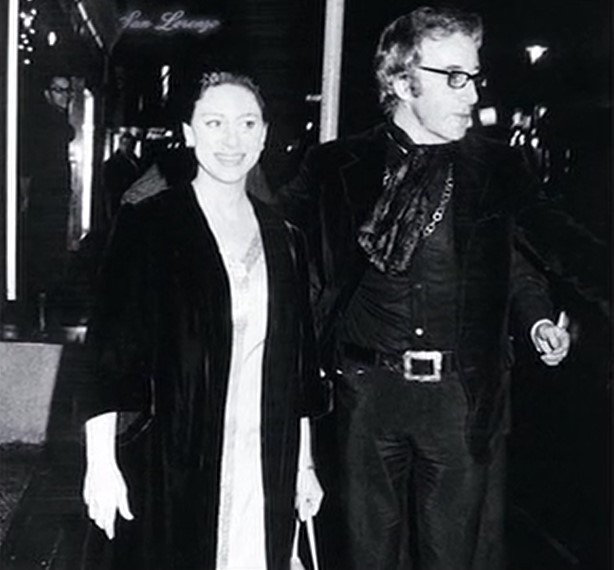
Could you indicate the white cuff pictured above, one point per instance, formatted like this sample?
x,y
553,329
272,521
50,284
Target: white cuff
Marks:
x,y
534,328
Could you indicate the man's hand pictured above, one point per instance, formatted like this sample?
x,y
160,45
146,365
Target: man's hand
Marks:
x,y
309,493
105,494
552,341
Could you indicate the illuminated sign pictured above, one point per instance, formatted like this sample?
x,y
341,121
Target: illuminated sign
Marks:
x,y
169,22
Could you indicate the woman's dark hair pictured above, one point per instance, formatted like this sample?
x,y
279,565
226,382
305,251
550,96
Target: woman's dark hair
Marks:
x,y
215,79
398,51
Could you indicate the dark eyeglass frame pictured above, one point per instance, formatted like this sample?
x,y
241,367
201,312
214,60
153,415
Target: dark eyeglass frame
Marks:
x,y
457,78
64,90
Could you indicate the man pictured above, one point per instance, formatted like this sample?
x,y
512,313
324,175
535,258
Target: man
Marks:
x,y
415,281
119,172
46,190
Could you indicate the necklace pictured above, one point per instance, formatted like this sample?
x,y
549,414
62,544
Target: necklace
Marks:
x,y
443,202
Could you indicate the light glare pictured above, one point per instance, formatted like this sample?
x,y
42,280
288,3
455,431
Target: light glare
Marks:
x,y
536,52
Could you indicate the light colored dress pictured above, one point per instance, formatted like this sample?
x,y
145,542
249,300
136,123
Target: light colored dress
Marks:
x,y
241,525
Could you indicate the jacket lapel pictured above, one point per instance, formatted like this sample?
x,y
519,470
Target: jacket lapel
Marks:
x,y
362,176
359,181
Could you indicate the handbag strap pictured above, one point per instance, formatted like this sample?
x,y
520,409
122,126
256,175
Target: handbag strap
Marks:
x,y
297,530
311,539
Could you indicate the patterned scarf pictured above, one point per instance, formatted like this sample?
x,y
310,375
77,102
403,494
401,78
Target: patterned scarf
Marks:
x,y
413,185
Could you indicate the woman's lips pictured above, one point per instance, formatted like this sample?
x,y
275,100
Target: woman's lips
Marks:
x,y
230,159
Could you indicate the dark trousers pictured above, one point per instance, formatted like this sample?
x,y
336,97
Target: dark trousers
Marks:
x,y
411,494
490,553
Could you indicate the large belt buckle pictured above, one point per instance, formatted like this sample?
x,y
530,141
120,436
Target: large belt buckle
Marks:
x,y
431,358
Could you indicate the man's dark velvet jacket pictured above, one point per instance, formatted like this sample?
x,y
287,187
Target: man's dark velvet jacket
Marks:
x,y
336,189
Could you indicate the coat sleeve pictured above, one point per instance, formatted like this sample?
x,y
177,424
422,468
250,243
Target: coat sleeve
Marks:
x,y
119,333
300,202
315,395
298,199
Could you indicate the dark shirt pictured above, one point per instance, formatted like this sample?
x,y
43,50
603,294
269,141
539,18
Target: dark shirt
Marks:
x,y
44,155
416,310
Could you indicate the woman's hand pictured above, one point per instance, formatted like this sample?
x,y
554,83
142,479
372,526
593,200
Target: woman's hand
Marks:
x,y
105,494
309,493
104,488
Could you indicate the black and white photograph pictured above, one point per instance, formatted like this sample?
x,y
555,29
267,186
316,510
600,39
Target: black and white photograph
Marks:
x,y
306,284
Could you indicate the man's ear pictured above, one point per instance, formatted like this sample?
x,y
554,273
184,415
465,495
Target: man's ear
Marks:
x,y
402,88
188,135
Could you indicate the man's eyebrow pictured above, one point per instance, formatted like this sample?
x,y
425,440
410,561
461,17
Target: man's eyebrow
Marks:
x,y
455,67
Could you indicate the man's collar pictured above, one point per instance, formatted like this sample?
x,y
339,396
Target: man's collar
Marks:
x,y
406,143
399,136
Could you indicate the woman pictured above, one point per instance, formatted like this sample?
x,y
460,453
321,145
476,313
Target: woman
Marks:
x,y
203,348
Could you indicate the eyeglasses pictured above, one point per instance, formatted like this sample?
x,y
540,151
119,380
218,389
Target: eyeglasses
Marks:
x,y
62,90
457,79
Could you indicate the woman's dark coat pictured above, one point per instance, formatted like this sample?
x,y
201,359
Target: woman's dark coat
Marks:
x,y
162,344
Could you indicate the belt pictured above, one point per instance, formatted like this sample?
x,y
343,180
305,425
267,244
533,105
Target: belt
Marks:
x,y
413,365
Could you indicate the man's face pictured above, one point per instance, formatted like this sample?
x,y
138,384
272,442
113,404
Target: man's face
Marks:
x,y
227,132
127,145
59,92
437,113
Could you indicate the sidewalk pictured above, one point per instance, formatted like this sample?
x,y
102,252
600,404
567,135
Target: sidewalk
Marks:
x,y
17,465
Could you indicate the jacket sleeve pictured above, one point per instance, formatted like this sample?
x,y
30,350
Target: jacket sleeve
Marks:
x,y
119,333
565,251
531,300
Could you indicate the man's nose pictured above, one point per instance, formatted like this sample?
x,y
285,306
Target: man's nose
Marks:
x,y
470,93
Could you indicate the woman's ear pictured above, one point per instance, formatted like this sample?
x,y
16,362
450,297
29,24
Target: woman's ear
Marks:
x,y
188,135
263,137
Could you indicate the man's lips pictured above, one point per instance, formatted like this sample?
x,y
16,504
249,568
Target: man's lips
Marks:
x,y
463,119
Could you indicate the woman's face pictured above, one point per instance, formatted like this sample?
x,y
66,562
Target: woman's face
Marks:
x,y
227,131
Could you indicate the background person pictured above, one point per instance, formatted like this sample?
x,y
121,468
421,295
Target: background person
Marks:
x,y
119,172
203,335
45,180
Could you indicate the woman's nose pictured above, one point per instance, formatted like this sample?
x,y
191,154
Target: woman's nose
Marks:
x,y
231,137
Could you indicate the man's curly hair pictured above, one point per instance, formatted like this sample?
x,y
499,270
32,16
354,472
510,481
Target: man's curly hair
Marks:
x,y
398,51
